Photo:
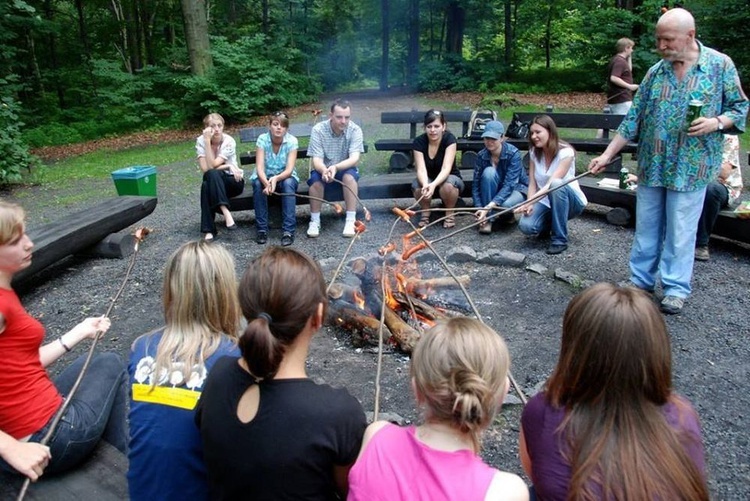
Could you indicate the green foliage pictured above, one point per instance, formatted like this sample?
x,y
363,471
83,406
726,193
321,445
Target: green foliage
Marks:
x,y
249,78
14,154
451,73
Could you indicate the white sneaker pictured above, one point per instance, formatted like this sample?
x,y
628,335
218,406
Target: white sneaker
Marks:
x,y
349,231
313,229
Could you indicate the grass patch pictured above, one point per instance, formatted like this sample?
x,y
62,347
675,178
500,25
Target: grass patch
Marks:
x,y
99,164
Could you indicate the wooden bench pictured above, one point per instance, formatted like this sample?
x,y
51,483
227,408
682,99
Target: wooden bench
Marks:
x,y
251,134
728,225
100,478
384,186
83,229
401,148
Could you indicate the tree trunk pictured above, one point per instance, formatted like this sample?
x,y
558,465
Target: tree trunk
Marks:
x,y
508,34
196,36
548,36
385,18
456,17
412,56
264,14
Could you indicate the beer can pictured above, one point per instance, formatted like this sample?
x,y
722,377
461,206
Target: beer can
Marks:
x,y
624,178
694,111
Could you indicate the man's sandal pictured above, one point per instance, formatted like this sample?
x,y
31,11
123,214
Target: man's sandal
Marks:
x,y
449,221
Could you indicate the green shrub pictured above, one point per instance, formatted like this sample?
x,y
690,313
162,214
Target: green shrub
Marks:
x,y
14,154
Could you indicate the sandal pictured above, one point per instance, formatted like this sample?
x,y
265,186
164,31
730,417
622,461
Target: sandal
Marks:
x,y
424,220
449,221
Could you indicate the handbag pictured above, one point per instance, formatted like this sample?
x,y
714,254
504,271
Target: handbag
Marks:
x,y
478,121
518,129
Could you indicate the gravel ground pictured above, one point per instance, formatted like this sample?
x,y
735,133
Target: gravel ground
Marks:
x,y
709,338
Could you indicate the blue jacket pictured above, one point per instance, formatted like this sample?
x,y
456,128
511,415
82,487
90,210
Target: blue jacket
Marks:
x,y
512,174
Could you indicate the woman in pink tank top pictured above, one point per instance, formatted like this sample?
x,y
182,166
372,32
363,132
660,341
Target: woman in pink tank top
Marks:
x,y
459,375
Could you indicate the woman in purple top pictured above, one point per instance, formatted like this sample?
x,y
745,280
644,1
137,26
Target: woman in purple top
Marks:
x,y
608,425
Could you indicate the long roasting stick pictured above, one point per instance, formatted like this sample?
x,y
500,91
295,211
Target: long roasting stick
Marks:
x,y
140,234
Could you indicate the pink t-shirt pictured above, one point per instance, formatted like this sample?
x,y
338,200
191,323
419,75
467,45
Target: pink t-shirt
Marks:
x,y
395,465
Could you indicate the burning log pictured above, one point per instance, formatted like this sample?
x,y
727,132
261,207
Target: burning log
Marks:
x,y
419,284
420,306
404,334
361,324
346,293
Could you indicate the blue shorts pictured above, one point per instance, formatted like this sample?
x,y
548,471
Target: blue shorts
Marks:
x,y
315,176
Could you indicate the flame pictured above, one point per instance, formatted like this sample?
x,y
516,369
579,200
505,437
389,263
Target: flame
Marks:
x,y
359,300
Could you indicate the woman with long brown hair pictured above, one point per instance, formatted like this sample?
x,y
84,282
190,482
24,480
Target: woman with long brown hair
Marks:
x,y
551,163
268,431
608,425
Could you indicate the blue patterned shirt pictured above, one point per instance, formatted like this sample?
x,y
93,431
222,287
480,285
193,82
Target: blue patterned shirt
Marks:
x,y
275,163
667,156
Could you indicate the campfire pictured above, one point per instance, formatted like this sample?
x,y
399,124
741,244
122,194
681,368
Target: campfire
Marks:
x,y
388,282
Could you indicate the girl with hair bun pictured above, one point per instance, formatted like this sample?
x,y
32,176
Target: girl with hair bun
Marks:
x,y
268,431
168,369
608,425
459,373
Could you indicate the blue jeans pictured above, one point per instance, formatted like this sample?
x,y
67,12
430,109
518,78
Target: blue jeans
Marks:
x,y
489,186
665,226
98,411
288,205
564,205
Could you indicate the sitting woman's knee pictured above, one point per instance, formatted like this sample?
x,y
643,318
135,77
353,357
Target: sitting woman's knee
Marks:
x,y
489,174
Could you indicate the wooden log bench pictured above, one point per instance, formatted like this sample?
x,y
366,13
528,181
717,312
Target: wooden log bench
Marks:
x,y
728,225
584,121
100,478
83,229
401,158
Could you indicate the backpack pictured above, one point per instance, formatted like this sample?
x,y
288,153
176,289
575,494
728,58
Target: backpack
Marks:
x,y
477,122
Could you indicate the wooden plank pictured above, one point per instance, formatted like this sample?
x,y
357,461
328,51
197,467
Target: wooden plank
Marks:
x,y
100,478
251,134
83,229
728,225
385,186
415,117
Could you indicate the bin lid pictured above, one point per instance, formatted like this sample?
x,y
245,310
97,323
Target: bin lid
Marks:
x,y
134,172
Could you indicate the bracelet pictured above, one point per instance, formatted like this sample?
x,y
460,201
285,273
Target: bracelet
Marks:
x,y
63,344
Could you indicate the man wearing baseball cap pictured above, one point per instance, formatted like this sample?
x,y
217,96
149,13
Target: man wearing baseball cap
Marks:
x,y
500,181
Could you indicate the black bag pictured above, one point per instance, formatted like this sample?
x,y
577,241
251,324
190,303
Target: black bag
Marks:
x,y
518,129
478,120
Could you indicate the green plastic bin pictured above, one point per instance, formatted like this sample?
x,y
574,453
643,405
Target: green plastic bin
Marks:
x,y
139,180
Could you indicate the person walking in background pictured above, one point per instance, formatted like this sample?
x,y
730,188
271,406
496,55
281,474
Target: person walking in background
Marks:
x,y
435,163
676,160
335,147
222,179
459,373
168,369
620,86
30,398
500,181
268,431
551,163
607,424
275,155
720,194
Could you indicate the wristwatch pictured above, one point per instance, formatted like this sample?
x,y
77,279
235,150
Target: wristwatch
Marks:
x,y
721,125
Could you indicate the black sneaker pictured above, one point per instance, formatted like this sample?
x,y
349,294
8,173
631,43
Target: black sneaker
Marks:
x,y
261,237
287,239
556,248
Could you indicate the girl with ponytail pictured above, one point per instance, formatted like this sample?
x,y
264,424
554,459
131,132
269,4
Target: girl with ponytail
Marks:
x,y
459,373
268,431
